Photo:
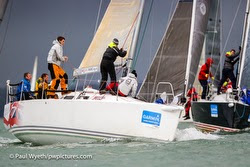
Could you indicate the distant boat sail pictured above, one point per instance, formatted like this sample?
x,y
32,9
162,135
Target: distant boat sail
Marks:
x,y
178,56
3,6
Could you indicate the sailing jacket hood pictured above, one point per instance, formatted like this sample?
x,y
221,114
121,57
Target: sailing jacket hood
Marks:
x,y
55,55
205,69
128,84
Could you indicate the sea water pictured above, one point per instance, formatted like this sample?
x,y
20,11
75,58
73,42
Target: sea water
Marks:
x,y
191,148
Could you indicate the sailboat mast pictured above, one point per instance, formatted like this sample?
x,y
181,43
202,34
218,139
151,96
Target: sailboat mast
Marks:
x,y
135,37
34,74
245,35
190,49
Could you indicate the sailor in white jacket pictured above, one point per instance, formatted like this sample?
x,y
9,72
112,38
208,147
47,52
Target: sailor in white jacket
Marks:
x,y
128,84
55,57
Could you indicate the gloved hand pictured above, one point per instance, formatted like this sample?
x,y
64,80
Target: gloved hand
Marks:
x,y
206,75
212,78
239,48
225,83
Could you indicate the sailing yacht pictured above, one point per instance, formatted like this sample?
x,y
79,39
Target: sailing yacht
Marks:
x,y
227,112
86,115
179,53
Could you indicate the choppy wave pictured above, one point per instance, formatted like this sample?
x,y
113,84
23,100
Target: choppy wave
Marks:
x,y
5,141
194,134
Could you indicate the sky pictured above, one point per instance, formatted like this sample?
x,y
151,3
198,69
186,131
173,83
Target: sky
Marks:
x,y
29,27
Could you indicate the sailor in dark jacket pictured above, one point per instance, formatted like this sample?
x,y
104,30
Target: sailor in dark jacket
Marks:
x,y
107,63
228,69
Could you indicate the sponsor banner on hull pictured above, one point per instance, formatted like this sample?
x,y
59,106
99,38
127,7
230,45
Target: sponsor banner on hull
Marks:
x,y
150,117
214,110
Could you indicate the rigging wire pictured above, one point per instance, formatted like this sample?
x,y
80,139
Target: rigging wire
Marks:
x,y
130,29
230,31
96,24
6,30
214,28
98,15
143,35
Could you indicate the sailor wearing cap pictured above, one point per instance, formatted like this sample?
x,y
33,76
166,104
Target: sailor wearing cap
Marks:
x,y
107,64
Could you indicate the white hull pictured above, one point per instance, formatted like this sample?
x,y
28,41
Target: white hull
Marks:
x,y
78,120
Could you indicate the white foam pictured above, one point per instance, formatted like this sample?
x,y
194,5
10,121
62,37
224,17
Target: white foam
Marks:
x,y
4,140
194,134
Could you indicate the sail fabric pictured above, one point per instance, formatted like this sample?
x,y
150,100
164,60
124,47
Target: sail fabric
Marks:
x,y
169,63
118,22
213,39
3,5
245,82
179,45
202,8
245,79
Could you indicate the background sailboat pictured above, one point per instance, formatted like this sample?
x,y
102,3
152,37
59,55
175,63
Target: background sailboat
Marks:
x,y
178,56
227,112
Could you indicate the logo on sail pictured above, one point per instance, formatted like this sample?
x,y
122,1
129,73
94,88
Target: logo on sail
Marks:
x,y
152,118
203,8
214,110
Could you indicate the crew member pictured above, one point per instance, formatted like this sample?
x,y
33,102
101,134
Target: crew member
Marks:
x,y
107,64
203,76
55,58
228,69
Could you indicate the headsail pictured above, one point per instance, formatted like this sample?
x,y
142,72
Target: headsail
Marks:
x,y
197,34
116,23
3,5
244,71
180,41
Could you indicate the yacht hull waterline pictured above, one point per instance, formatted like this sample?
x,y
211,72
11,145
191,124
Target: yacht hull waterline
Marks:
x,y
51,121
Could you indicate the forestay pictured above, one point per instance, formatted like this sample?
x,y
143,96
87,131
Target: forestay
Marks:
x,y
111,26
213,39
178,56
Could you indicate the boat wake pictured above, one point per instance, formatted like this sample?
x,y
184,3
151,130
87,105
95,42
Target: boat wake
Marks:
x,y
194,134
6,141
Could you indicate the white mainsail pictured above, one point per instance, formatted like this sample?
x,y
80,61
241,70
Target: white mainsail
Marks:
x,y
111,26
